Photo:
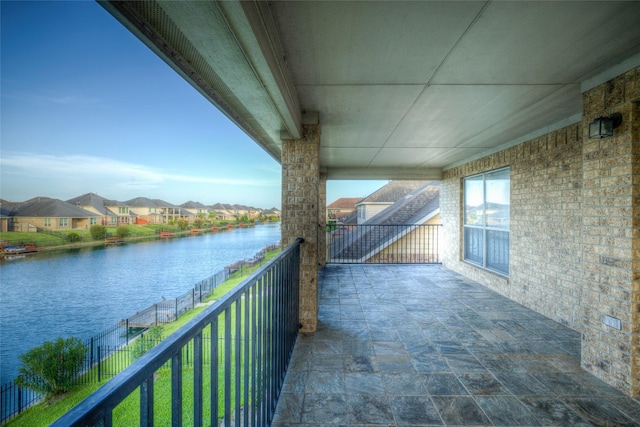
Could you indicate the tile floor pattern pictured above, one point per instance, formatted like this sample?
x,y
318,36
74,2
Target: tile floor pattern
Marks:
x,y
422,345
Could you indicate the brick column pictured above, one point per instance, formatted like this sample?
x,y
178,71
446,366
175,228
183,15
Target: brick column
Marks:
x,y
610,224
300,197
322,225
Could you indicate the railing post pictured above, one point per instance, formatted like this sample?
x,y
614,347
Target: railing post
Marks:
x,y
99,367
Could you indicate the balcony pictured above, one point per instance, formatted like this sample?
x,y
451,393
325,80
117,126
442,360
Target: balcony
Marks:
x,y
422,345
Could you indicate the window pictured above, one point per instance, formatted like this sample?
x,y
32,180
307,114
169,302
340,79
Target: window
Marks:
x,y
486,220
123,210
92,221
47,222
63,222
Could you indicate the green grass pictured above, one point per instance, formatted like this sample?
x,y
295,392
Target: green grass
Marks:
x,y
127,412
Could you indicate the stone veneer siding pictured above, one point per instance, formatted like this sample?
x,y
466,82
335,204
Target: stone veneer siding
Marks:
x,y
300,214
575,244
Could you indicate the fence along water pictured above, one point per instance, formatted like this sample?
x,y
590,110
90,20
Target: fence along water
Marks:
x,y
108,352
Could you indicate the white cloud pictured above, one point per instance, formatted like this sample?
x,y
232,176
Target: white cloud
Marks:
x,y
91,167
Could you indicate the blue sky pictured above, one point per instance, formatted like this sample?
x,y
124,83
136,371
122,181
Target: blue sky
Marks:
x,y
86,107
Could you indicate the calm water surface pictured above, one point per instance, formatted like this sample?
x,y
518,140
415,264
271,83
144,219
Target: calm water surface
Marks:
x,y
83,292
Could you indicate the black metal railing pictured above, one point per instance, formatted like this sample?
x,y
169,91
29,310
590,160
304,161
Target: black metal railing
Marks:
x,y
397,243
249,336
109,352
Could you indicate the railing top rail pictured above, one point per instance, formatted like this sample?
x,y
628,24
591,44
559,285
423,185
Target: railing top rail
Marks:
x,y
94,407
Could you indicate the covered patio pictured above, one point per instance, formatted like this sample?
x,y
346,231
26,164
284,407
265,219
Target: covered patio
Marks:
x,y
423,345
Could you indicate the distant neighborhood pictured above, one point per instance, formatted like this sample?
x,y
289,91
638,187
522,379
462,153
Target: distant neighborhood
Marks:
x,y
89,209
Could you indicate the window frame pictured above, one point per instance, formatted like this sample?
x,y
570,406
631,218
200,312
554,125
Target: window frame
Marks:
x,y
480,233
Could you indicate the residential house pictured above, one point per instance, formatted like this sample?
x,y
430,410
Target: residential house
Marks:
x,y
341,209
169,211
119,213
197,209
273,212
111,212
394,234
147,210
50,214
5,214
386,196
224,212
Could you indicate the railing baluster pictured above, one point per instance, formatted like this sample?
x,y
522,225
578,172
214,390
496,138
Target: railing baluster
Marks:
x,y
146,403
238,360
247,359
259,358
197,380
176,389
214,372
254,352
227,367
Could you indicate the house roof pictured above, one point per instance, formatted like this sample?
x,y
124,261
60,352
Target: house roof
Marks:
x,y
47,207
142,202
392,192
345,203
163,204
193,205
90,199
413,208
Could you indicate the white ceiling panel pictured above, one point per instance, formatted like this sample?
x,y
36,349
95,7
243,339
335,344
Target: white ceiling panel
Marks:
x,y
401,88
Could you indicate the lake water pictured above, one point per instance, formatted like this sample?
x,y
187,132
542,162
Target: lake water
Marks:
x,y
83,292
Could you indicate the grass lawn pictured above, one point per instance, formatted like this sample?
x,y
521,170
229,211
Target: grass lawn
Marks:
x,y
127,412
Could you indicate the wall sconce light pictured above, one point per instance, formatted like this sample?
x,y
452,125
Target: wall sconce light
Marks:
x,y
603,127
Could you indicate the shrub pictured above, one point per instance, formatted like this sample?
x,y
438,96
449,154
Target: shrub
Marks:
x,y
51,368
73,237
122,231
182,223
98,232
146,342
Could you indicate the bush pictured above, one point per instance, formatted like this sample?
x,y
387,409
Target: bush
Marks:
x,y
146,342
51,368
73,237
182,223
122,231
98,232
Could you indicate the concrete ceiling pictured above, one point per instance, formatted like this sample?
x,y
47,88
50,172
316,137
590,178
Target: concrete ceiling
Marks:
x,y
402,90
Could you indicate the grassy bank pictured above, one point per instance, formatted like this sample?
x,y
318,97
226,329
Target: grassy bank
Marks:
x,y
68,239
127,412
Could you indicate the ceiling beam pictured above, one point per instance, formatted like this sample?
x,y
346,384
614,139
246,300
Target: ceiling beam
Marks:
x,y
423,174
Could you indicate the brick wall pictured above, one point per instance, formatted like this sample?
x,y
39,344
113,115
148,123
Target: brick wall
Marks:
x,y
300,214
611,219
575,213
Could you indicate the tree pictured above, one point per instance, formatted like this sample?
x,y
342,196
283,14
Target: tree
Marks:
x,y
98,232
73,237
51,368
183,223
146,343
122,231
198,222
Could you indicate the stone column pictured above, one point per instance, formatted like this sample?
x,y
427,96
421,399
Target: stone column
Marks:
x,y
322,225
300,197
611,240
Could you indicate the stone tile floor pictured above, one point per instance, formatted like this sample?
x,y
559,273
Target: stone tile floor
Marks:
x,y
422,345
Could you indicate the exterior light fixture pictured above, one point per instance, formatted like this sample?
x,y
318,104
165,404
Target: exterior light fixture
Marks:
x,y
603,127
